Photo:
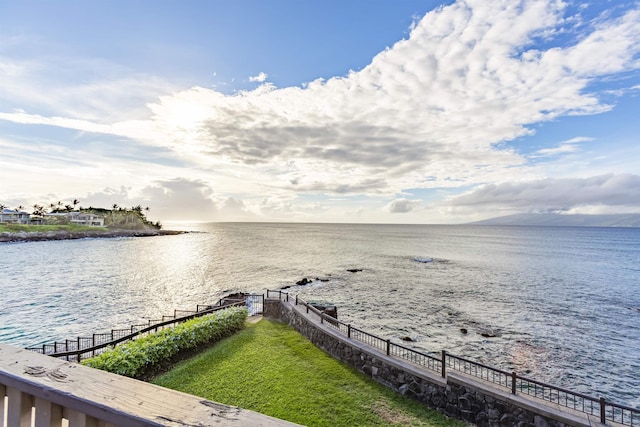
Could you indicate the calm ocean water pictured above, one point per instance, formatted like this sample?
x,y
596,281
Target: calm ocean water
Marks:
x,y
564,303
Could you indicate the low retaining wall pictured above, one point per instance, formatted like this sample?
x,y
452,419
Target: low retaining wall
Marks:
x,y
458,396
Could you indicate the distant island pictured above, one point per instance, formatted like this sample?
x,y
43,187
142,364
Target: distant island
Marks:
x,y
564,220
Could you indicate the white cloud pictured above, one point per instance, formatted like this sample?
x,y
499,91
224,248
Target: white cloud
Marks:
x,y
260,78
402,205
569,146
84,89
607,193
437,102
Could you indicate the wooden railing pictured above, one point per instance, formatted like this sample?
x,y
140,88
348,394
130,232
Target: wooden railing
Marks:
x,y
44,392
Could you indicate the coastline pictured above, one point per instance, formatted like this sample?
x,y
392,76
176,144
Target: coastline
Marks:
x,y
22,236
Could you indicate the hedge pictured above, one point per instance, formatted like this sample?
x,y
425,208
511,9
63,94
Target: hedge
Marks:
x,y
149,353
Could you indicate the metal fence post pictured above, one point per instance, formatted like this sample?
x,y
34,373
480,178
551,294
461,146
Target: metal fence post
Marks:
x,y
388,347
321,318
444,364
514,377
603,410
296,299
349,330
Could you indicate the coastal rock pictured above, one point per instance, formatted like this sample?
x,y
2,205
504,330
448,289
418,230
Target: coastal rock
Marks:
x,y
302,282
328,309
464,330
354,270
38,236
490,333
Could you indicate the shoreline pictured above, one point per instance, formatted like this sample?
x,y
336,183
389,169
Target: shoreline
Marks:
x,y
37,236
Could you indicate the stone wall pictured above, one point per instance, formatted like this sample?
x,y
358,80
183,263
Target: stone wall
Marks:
x,y
458,396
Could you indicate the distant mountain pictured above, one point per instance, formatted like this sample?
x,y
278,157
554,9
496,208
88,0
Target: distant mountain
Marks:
x,y
565,220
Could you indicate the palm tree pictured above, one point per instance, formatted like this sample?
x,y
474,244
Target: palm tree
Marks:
x,y
2,208
114,207
75,202
19,209
39,211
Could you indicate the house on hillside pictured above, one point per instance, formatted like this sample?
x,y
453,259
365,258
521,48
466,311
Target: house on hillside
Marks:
x,y
79,218
13,216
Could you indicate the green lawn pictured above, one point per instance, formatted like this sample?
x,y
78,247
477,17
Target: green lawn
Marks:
x,y
270,368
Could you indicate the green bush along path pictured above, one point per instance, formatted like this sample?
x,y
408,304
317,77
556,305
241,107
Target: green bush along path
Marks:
x,y
270,368
151,353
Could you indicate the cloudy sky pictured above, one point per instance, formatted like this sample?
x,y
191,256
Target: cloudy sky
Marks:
x,y
326,111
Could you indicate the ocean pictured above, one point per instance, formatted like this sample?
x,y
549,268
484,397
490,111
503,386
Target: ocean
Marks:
x,y
559,304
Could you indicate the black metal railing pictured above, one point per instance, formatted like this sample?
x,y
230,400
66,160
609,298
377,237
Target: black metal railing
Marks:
x,y
516,384
478,370
82,347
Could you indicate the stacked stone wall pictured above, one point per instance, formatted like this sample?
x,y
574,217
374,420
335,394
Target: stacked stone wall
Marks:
x,y
457,396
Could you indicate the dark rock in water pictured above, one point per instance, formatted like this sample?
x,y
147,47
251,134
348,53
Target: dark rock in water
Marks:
x,y
490,334
233,298
354,270
303,282
464,330
286,287
321,280
408,339
328,309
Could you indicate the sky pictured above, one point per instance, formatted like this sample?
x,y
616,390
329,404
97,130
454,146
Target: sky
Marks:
x,y
322,111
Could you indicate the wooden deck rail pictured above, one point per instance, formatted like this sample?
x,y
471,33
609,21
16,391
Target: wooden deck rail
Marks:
x,y
44,391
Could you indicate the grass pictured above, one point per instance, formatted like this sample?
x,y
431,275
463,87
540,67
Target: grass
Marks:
x,y
15,228
270,368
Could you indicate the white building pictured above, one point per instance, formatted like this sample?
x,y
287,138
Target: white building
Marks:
x,y
12,216
80,218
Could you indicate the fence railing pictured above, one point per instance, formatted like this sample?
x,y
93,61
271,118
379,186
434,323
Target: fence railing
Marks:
x,y
517,384
40,391
82,347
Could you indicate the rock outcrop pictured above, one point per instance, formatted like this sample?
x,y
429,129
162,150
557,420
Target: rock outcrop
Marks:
x,y
37,236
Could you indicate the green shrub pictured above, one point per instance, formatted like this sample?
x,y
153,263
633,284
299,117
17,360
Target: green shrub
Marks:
x,y
146,354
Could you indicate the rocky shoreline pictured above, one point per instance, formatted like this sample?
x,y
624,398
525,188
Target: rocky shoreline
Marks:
x,y
22,236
